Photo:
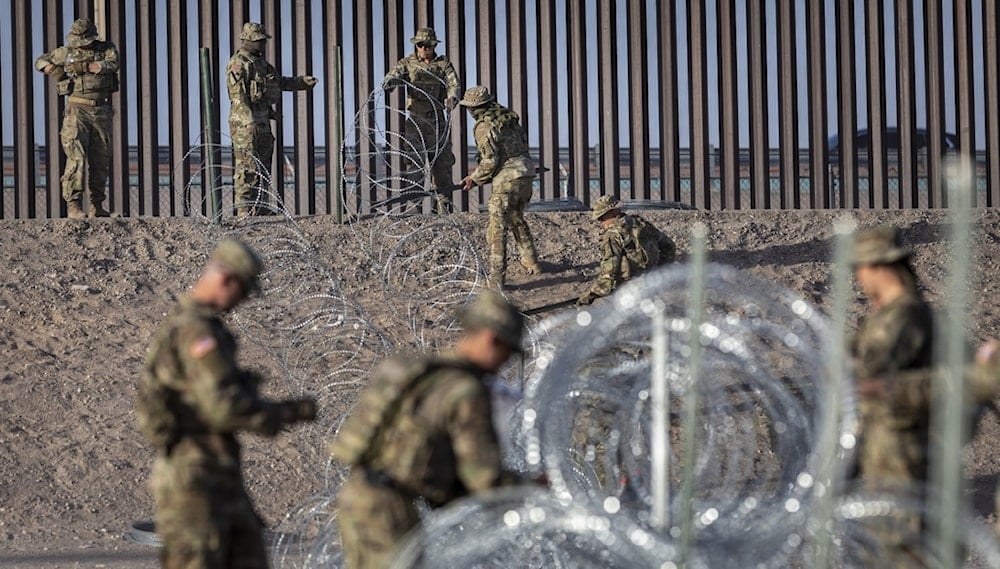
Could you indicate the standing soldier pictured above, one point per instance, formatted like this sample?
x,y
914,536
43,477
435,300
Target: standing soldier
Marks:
x,y
431,85
86,70
423,428
629,246
503,158
254,87
193,399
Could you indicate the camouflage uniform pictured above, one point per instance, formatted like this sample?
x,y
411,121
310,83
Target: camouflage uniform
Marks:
x,y
629,246
894,345
431,87
423,428
503,158
254,86
86,128
192,401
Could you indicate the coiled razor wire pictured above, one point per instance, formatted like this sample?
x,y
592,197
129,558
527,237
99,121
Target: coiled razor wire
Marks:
x,y
391,164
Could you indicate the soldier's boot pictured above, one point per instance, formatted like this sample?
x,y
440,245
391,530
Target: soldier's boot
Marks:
x,y
97,210
74,211
529,260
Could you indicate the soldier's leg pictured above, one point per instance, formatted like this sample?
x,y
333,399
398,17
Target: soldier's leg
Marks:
x,y
441,170
496,233
519,227
244,166
263,142
185,521
373,522
247,548
99,160
73,175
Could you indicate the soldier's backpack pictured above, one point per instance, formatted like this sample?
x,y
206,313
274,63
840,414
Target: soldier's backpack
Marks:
x,y
378,403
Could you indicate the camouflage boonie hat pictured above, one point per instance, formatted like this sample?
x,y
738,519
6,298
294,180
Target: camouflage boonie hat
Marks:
x,y
491,311
476,97
424,35
239,260
603,205
82,32
254,31
878,246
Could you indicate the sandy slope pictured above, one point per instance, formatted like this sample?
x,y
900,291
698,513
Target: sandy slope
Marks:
x,y
80,300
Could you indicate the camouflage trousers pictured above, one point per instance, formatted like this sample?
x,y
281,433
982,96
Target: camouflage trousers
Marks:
x,y
426,141
86,140
205,519
373,521
506,210
253,148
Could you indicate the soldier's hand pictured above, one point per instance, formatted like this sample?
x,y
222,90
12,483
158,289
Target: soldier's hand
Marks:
x,y
94,67
303,409
389,84
467,183
586,298
310,81
450,103
50,68
78,67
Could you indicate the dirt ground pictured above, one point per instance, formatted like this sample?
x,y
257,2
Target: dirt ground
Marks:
x,y
79,302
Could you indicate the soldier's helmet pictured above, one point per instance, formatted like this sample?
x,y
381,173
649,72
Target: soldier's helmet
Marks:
x,y
603,205
82,33
254,31
239,260
491,311
424,35
476,97
879,246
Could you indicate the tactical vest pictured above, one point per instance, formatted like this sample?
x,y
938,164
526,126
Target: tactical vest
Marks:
x,y
89,83
359,434
428,88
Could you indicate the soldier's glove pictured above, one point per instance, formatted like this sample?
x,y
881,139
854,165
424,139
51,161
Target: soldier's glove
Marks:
x,y
295,410
450,103
586,298
310,81
78,67
389,84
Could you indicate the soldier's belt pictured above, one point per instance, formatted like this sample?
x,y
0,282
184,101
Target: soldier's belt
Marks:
x,y
89,102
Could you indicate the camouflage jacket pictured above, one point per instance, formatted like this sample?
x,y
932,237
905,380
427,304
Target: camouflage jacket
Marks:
x,y
86,84
628,247
429,83
440,442
897,337
254,86
192,396
502,144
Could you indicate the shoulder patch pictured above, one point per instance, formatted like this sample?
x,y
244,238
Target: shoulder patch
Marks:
x,y
235,67
203,346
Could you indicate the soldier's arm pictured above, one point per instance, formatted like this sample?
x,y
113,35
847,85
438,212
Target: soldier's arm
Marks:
x,y
612,253
56,57
223,397
489,154
108,63
236,83
477,451
451,82
895,343
395,75
297,83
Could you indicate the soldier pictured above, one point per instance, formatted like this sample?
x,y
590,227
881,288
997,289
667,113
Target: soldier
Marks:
x,y
254,87
86,71
423,428
193,399
896,337
432,86
629,246
503,158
